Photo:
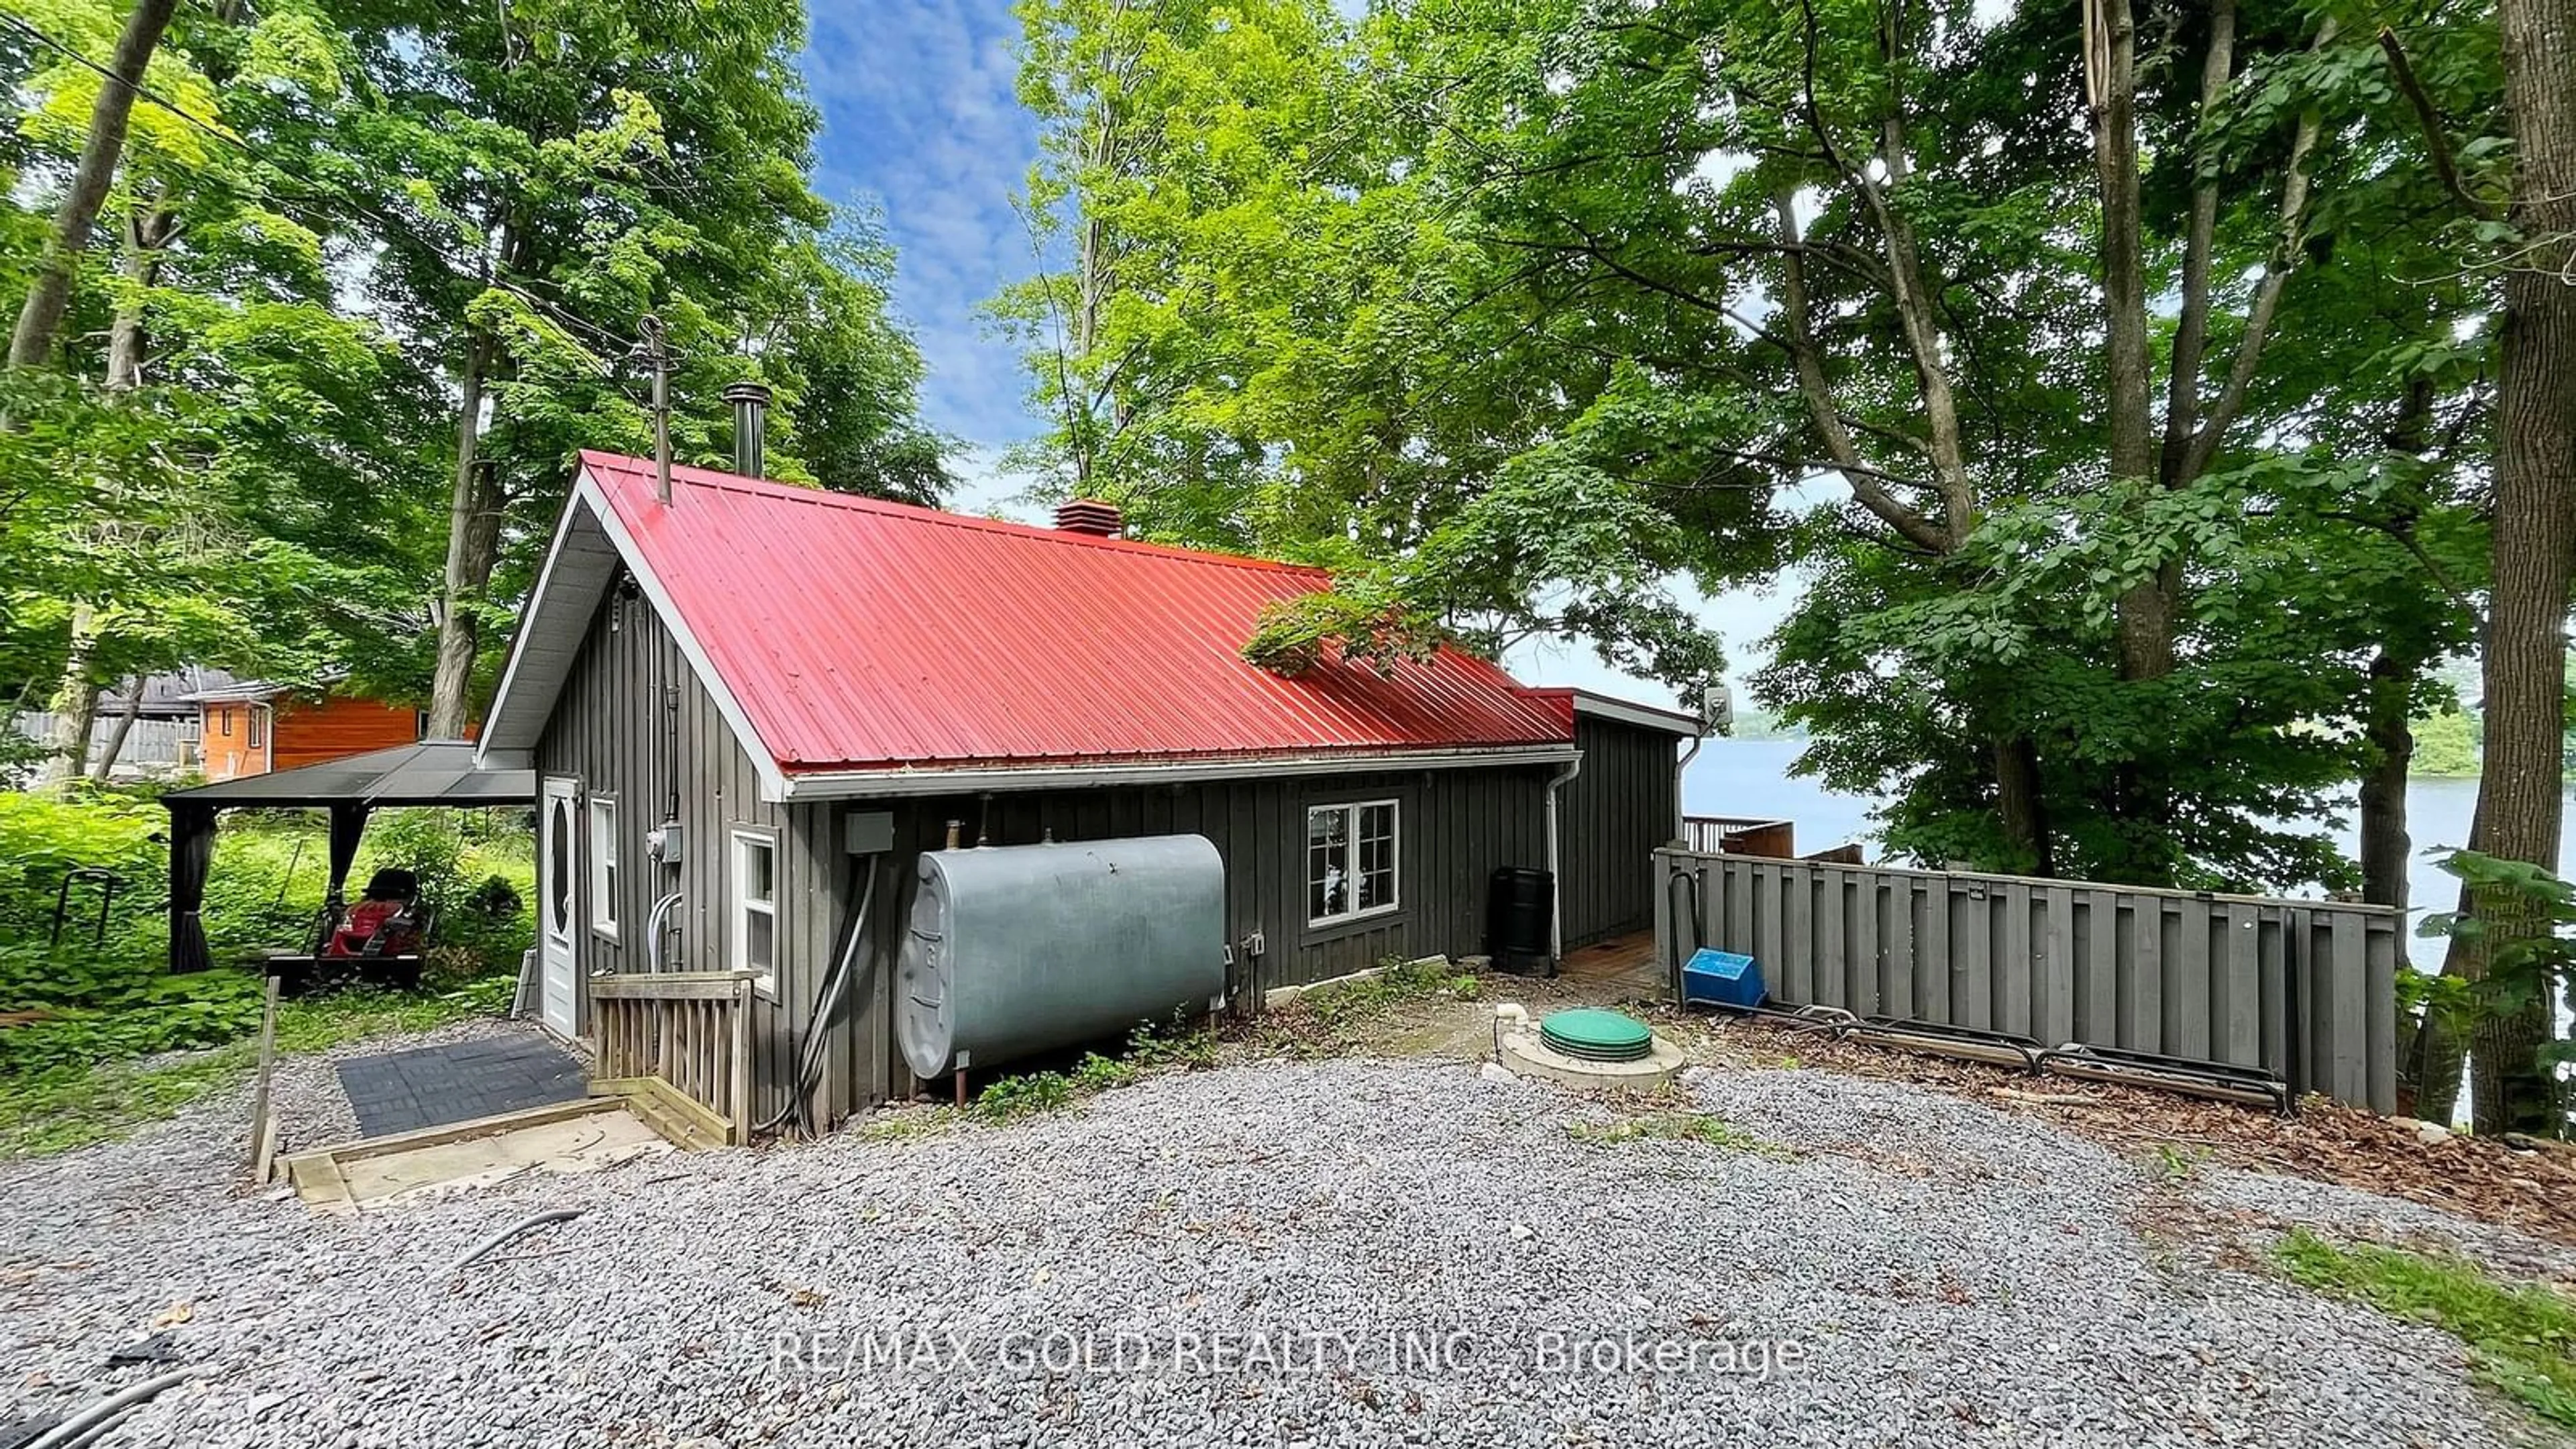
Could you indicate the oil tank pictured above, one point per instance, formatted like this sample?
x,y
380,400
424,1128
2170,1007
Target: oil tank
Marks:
x,y
1019,949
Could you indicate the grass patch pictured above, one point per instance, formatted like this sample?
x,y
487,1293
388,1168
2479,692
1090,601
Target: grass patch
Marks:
x,y
2521,1337
1331,1020
1026,1095
1150,1050
1668,1127
1178,1046
2176,1164
66,1107
910,1124
1397,984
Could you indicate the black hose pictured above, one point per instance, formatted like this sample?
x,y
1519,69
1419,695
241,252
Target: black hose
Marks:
x,y
80,1428
528,1224
1680,958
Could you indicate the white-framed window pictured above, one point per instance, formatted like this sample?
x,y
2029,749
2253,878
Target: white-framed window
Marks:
x,y
755,906
603,865
1350,861
258,725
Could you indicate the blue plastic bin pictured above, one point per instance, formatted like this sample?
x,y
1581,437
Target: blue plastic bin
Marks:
x,y
1722,978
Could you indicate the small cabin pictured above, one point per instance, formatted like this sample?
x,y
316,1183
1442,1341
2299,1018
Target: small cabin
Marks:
x,y
755,710
251,728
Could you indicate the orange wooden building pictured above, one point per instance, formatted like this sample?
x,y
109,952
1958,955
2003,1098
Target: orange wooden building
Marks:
x,y
252,728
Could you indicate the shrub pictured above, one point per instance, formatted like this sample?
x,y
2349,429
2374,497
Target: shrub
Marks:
x,y
96,1000
1027,1095
42,839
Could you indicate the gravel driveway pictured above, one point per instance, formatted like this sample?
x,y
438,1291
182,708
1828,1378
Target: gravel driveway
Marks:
x,y
1337,1253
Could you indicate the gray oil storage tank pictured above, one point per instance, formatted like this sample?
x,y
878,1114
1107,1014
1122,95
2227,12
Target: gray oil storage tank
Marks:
x,y
1019,949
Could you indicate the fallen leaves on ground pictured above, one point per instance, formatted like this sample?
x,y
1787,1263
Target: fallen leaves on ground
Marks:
x,y
2475,1177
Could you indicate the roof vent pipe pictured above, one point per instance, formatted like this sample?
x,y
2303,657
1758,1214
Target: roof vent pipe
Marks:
x,y
1090,516
750,424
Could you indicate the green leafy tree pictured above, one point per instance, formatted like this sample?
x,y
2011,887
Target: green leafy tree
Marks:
x,y
552,178
1276,334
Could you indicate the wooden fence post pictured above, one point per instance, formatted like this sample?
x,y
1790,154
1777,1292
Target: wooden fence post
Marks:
x,y
741,1084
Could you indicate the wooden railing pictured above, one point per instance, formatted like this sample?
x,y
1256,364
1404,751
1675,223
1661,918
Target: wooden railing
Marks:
x,y
678,1043
1738,835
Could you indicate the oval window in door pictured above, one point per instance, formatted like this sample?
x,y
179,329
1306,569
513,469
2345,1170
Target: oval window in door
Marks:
x,y
559,869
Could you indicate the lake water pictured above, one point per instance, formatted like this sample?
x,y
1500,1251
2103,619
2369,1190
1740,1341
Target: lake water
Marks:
x,y
1751,777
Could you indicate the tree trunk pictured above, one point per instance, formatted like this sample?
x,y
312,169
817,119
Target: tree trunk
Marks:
x,y
2022,805
105,769
2432,1064
75,704
2519,793
49,294
2146,611
2386,730
473,539
147,232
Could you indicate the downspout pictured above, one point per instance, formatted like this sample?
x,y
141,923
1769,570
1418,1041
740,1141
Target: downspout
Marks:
x,y
1716,711
1555,878
1681,767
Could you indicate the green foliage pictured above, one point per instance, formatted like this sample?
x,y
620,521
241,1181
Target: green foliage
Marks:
x,y
2446,745
109,999
73,1105
1274,337
2521,1336
1096,1073
361,193
2528,915
1026,1095
1177,1045
1698,1127
1396,984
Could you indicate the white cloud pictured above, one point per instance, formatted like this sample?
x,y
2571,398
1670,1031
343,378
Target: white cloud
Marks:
x,y
920,118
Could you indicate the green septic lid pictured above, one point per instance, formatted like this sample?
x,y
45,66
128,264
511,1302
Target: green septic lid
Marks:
x,y
1597,1036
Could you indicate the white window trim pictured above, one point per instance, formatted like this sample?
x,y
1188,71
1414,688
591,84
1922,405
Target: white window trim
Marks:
x,y
1351,840
603,855
738,907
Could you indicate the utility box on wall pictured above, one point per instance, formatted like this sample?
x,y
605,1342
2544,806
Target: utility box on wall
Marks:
x,y
868,832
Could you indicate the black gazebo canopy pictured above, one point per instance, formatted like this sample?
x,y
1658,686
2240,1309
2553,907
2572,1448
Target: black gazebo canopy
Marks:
x,y
434,772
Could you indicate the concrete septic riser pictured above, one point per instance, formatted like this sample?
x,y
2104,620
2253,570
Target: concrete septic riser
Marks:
x,y
1517,1046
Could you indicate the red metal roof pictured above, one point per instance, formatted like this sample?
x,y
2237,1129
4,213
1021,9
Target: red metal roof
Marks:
x,y
860,634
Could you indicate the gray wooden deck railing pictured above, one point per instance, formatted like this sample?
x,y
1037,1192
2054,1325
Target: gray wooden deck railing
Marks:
x,y
2204,977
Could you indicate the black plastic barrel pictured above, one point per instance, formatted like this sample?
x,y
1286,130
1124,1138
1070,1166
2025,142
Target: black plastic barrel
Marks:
x,y
1518,912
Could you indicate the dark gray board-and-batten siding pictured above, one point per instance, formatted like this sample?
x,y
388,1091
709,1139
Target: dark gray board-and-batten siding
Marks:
x,y
633,723
1612,817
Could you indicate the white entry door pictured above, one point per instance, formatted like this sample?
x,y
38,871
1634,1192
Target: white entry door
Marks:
x,y
558,871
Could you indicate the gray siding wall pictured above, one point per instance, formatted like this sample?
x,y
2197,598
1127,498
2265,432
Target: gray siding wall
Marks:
x,y
1613,816
634,723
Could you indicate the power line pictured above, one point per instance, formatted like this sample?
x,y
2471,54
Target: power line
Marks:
x,y
465,269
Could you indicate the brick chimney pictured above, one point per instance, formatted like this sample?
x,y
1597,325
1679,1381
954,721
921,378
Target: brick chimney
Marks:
x,y
1091,516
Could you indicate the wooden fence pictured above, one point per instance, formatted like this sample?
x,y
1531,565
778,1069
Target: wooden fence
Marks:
x,y
2305,990
151,745
679,1043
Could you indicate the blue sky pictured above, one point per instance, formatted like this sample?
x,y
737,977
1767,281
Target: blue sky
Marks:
x,y
920,121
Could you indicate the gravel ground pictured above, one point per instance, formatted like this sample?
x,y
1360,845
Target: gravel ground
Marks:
x,y
2348,1212
1335,1253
